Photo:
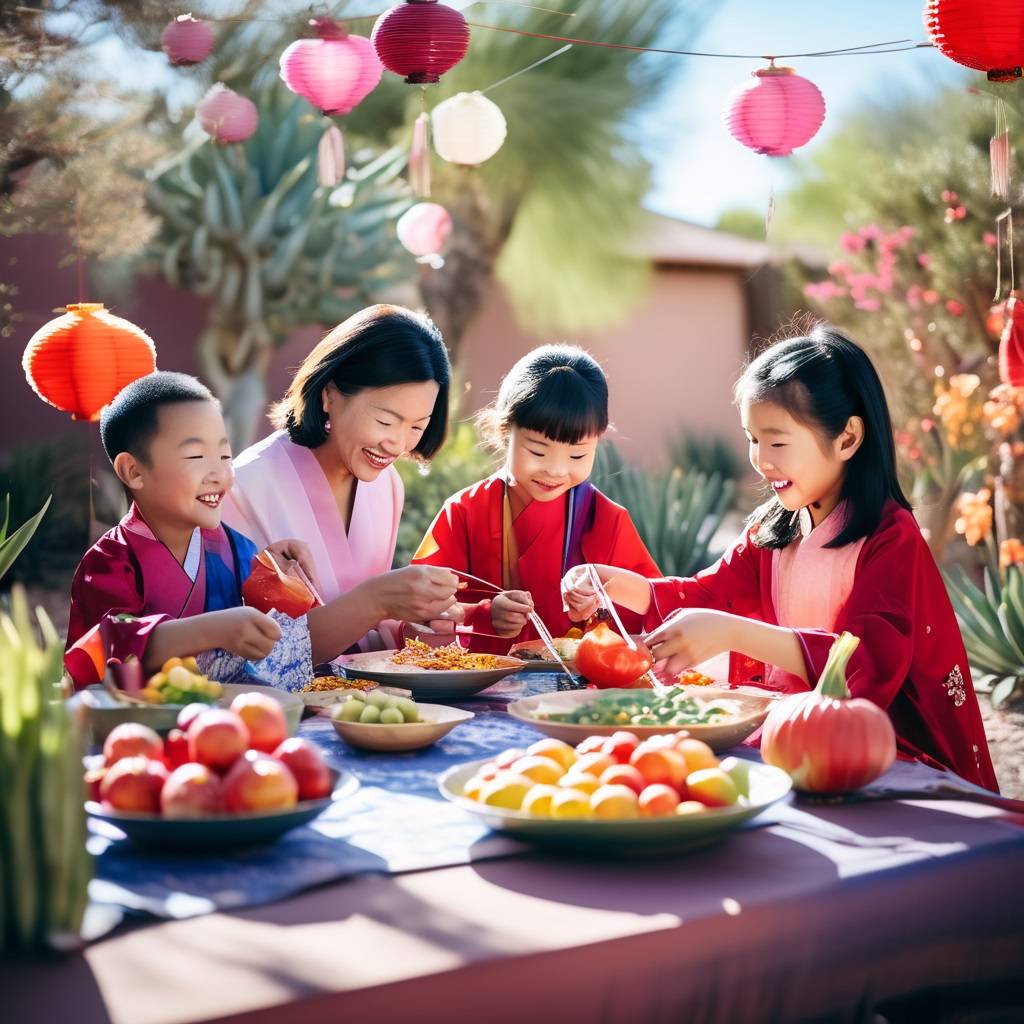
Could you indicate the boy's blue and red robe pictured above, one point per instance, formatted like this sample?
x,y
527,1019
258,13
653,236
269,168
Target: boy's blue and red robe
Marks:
x,y
474,533
129,582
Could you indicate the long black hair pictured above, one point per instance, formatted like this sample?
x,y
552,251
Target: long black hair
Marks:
x,y
378,347
559,391
822,379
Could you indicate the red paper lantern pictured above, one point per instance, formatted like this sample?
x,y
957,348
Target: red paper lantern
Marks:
x,y
421,40
1011,345
987,35
226,115
334,72
186,40
775,113
80,361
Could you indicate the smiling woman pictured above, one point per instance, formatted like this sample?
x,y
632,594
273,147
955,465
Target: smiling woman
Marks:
x,y
375,389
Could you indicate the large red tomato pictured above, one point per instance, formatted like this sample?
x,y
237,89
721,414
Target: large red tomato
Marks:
x,y
266,588
608,661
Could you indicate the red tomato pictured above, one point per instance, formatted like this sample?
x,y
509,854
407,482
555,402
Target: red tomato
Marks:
x,y
607,661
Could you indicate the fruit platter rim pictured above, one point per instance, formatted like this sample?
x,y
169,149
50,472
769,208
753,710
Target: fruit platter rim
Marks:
x,y
656,831
402,736
343,784
456,682
718,735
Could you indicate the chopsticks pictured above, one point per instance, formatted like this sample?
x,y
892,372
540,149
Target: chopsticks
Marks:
x,y
549,643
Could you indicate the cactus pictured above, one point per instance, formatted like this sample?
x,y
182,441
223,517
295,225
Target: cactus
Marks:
x,y
44,866
676,514
249,227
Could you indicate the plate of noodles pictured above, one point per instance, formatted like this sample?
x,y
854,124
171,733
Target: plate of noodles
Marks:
x,y
448,671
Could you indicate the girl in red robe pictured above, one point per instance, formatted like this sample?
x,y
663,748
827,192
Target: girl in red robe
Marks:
x,y
835,549
524,527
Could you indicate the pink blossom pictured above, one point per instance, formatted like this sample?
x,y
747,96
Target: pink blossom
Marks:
x,y
838,268
870,232
930,296
884,283
948,196
907,232
924,260
851,242
914,296
927,425
869,305
954,307
990,239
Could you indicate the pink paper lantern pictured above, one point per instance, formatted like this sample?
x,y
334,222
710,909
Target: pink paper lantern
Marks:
x,y
186,40
227,116
775,113
423,230
334,72
421,40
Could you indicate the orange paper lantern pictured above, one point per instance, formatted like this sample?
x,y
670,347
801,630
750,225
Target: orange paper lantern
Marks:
x,y
80,361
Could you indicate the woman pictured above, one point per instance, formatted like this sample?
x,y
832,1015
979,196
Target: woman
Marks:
x,y
375,389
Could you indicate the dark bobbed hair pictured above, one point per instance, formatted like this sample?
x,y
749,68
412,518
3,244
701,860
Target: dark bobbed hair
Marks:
x,y
559,391
822,379
130,421
378,347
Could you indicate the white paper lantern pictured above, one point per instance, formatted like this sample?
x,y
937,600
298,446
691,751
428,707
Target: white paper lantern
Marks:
x,y
468,128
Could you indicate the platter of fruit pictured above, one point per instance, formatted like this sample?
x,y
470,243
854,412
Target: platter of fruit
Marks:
x,y
615,792
446,671
721,718
380,721
223,778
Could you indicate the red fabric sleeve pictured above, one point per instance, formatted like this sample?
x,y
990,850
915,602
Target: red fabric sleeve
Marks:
x,y
732,584
106,618
446,543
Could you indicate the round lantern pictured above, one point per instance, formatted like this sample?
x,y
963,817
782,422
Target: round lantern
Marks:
x,y
227,116
987,36
468,129
80,361
775,113
421,40
1011,344
186,40
334,72
423,230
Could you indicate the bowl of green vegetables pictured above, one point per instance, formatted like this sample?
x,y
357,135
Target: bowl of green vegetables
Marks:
x,y
383,722
721,718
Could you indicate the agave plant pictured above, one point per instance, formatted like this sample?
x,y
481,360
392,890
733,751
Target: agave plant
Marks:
x,y
992,622
250,228
676,514
12,544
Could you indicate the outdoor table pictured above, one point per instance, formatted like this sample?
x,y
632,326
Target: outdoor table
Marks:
x,y
831,912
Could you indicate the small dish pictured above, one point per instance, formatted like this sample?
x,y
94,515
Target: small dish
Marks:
x,y
436,720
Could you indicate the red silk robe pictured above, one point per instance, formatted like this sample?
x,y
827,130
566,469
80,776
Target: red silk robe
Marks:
x,y
550,538
128,582
911,660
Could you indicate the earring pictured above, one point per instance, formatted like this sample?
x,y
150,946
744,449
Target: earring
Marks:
x,y
327,424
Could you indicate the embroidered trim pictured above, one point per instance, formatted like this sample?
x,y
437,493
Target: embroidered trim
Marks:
x,y
955,688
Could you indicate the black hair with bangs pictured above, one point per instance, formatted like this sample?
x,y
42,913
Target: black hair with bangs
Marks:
x,y
559,391
822,379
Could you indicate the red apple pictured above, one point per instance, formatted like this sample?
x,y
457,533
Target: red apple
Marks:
x,y
130,739
192,791
620,746
134,784
259,782
308,766
189,713
624,775
217,739
263,718
175,749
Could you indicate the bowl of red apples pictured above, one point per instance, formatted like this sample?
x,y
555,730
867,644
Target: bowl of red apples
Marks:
x,y
225,777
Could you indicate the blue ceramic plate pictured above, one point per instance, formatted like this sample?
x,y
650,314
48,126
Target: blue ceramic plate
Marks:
x,y
223,831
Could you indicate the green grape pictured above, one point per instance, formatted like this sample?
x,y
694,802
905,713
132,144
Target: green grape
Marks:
x,y
349,711
408,708
370,714
392,716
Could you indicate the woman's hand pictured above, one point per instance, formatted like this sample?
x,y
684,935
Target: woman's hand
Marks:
x,y
510,612
289,552
578,594
417,593
690,636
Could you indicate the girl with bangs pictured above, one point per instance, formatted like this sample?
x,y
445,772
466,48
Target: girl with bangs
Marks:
x,y
528,524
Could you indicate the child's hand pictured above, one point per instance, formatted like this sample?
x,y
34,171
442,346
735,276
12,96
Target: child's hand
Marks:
x,y
247,632
578,595
688,637
289,551
509,611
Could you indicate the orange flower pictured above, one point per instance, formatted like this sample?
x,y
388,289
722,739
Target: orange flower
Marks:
x,y
1011,552
975,519
958,406
1004,409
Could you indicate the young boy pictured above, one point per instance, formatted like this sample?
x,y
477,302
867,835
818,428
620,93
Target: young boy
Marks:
x,y
166,581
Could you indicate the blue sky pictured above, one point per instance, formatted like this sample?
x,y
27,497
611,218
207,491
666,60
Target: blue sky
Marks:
x,y
700,169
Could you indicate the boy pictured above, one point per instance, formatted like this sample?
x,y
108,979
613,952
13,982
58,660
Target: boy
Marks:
x,y
167,579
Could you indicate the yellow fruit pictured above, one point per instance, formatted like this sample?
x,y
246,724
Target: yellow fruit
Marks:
x,y
157,681
538,769
190,664
538,800
570,803
472,788
617,802
583,781
690,807
556,750
153,695
180,677
171,663
505,790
